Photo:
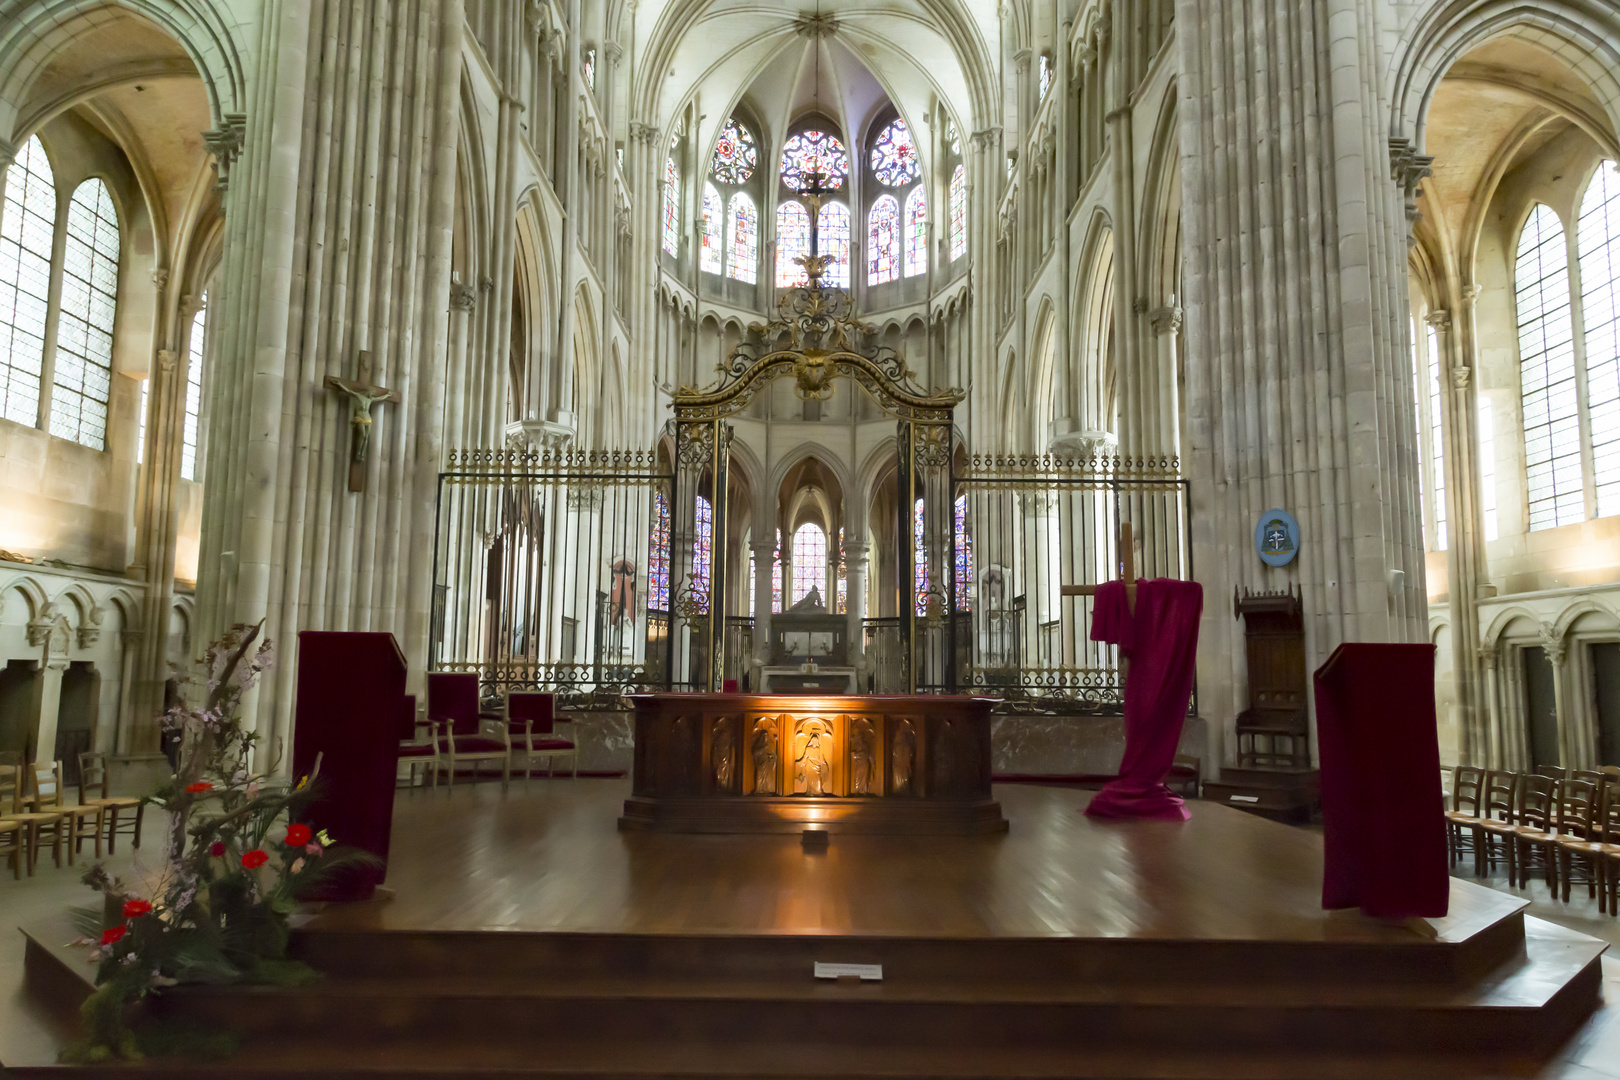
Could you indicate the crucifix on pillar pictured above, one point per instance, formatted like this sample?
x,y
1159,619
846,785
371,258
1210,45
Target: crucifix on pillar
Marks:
x,y
362,396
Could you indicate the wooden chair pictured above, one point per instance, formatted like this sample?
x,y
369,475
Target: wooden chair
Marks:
x,y
1466,786
39,785
414,751
122,813
1186,776
11,829
1601,849
453,702
1551,772
531,718
81,822
1535,836
1579,861
1493,833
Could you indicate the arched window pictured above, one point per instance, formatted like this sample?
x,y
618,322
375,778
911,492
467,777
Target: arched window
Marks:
x,y
1552,437
194,370
776,580
958,200
812,152
1597,238
83,378
919,560
843,577
672,208
735,155
916,233
792,241
702,551
832,231
894,156
742,238
964,557
809,562
883,241
658,556
713,209
1430,433
27,227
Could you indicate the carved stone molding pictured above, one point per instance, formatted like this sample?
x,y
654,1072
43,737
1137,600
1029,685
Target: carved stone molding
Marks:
x,y
1165,320
90,632
1440,320
8,154
1461,376
985,139
160,277
167,358
39,629
225,144
642,133
1553,643
1470,293
463,297
1487,655
614,52
1407,168
815,25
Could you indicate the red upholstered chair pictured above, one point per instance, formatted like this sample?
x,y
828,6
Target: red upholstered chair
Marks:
x,y
415,751
453,703
531,718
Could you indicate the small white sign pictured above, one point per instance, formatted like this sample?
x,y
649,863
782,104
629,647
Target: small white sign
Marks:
x,y
1244,798
864,972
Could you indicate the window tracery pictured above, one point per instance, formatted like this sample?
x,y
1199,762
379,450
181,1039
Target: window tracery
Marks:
x,y
1552,440
742,239
82,381
710,255
735,155
1597,238
809,561
832,233
672,208
894,156
658,556
916,233
27,227
810,152
883,241
702,551
792,242
963,569
194,366
958,210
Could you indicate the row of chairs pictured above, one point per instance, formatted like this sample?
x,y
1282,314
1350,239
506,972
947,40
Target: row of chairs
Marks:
x,y
1565,826
34,811
458,732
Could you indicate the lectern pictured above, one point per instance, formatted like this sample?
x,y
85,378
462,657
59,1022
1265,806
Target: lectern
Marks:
x,y
351,693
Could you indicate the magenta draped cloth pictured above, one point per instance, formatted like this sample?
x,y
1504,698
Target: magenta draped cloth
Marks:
x,y
1161,642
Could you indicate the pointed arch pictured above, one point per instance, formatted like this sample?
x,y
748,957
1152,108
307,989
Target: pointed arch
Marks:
x,y
27,223
1552,441
82,383
1598,239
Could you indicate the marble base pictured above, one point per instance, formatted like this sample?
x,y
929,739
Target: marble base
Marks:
x,y
1039,745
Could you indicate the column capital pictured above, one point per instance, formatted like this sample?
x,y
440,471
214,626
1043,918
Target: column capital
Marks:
x,y
1165,320
1440,320
643,133
463,297
225,144
613,51
8,154
1470,293
1461,376
166,360
1487,653
1021,60
1553,642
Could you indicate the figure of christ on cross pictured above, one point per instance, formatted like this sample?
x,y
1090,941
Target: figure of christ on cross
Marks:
x,y
362,396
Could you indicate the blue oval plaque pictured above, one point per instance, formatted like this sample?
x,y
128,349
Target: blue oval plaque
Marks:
x,y
1276,538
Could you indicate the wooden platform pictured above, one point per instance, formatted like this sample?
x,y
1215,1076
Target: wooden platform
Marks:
x,y
529,937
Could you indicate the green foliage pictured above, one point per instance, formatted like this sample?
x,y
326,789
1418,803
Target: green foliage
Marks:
x,y
236,865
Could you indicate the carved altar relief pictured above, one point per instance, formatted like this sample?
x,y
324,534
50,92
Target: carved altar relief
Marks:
x,y
862,757
723,754
904,759
812,757
762,746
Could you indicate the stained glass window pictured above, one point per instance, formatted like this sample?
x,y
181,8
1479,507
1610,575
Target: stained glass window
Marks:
x,y
883,241
832,235
742,238
1552,436
792,241
1597,239
658,557
776,580
702,551
919,560
710,254
27,228
84,336
964,557
1418,398
194,372
590,70
894,156
1437,442
843,577
672,208
1046,75
916,233
810,152
809,562
958,212
735,155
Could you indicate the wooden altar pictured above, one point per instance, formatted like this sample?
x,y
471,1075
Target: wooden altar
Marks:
x,y
753,763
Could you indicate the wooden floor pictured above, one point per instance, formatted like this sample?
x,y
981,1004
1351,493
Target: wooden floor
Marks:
x,y
550,859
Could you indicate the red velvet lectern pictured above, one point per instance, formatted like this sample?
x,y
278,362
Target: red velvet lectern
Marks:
x,y
351,692
1383,814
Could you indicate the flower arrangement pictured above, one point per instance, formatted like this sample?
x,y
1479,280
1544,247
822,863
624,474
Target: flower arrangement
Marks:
x,y
236,863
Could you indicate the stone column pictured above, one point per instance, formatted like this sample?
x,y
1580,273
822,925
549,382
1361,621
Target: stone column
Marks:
x,y
1166,324
156,536
1490,711
129,656
856,555
1568,752
764,552
1298,386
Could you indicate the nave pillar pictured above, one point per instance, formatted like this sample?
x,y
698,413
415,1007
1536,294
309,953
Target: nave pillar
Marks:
x,y
1299,380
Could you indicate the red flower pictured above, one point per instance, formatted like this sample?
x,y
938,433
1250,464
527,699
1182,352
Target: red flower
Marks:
x,y
134,909
199,787
297,835
112,935
216,850
252,860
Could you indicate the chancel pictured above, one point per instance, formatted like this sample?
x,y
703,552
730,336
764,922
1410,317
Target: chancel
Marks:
x,y
1023,501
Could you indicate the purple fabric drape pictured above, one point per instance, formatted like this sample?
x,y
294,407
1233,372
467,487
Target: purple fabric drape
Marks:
x,y
1161,642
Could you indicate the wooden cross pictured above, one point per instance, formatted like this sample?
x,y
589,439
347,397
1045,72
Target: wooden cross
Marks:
x,y
362,396
1127,554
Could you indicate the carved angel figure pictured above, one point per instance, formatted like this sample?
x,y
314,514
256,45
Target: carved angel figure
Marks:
x,y
861,757
905,752
812,770
721,754
763,748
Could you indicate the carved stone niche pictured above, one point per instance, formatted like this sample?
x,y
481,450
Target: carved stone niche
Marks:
x,y
764,763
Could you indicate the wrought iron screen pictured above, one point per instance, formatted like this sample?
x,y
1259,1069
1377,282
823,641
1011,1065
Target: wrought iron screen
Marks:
x,y
549,575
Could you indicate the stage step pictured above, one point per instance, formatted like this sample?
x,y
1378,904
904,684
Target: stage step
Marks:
x,y
655,1022
1281,793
